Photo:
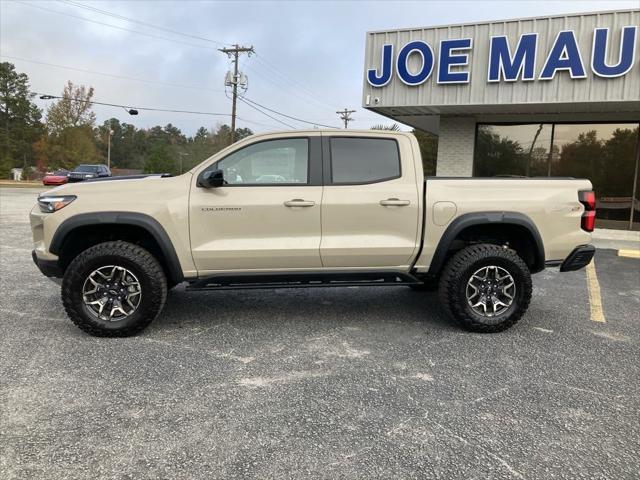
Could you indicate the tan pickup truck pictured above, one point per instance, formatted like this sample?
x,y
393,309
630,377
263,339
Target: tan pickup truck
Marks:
x,y
308,209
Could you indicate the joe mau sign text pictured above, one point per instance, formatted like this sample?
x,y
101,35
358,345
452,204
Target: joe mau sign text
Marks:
x,y
508,63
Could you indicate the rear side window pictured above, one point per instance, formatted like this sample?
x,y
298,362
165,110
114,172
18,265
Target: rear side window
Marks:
x,y
364,160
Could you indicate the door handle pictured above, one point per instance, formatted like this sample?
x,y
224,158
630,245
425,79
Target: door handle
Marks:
x,y
298,202
394,202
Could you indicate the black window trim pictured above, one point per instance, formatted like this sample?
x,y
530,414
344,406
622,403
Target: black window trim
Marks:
x,y
314,163
326,160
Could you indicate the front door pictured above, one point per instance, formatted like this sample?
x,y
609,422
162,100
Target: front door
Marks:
x,y
267,214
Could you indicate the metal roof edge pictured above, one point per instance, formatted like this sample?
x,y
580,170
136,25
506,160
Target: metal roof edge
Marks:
x,y
504,20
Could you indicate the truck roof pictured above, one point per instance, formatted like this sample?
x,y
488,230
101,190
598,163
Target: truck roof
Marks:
x,y
334,131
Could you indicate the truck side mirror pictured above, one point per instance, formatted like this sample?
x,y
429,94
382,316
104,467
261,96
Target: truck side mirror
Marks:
x,y
212,179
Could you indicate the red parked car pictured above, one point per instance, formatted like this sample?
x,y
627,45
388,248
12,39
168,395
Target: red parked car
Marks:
x,y
59,177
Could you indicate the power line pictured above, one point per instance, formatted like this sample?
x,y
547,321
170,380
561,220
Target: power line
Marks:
x,y
152,109
287,116
192,87
282,75
51,97
265,113
260,58
280,86
264,62
113,26
137,80
139,22
270,125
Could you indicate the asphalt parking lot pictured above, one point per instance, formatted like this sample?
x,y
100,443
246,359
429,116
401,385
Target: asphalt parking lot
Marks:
x,y
320,383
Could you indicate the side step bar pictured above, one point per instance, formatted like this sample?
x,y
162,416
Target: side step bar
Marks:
x,y
302,280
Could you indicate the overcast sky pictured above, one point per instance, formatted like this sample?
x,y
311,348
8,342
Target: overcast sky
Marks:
x,y
309,58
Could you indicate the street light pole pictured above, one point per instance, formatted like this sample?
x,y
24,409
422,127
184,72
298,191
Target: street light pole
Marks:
x,y
110,134
181,154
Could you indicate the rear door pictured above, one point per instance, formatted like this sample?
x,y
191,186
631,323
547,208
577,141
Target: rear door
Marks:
x,y
370,205
267,215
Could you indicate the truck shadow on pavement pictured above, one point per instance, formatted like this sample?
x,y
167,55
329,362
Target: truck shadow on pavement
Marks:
x,y
320,307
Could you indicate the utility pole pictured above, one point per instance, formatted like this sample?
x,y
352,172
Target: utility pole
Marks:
x,y
345,115
234,53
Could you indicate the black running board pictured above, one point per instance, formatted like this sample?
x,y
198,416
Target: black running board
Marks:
x,y
236,281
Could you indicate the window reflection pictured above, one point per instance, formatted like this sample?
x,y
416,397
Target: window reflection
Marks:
x,y
519,150
606,155
603,153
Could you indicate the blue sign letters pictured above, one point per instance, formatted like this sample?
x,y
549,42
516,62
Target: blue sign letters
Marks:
x,y
564,55
385,68
626,55
521,64
506,62
426,66
448,59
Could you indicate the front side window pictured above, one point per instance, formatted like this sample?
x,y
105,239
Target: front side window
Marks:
x,y
272,162
364,160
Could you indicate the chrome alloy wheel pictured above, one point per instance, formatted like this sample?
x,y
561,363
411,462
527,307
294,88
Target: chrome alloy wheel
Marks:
x,y
490,291
111,293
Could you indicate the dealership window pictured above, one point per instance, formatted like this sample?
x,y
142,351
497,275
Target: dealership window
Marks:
x,y
605,153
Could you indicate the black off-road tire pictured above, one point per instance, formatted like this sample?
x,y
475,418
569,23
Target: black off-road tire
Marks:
x,y
458,271
140,262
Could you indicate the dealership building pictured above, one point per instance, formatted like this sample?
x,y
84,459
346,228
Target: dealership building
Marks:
x,y
544,96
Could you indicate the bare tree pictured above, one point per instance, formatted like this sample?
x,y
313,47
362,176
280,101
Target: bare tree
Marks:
x,y
72,110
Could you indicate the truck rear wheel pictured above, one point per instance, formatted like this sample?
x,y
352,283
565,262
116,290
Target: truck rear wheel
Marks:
x,y
114,289
487,288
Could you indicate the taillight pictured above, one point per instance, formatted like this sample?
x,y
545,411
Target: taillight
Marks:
x,y
588,199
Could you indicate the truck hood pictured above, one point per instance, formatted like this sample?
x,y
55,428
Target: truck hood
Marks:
x,y
129,177
128,184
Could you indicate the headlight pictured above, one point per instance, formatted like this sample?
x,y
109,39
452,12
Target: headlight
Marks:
x,y
54,203
89,176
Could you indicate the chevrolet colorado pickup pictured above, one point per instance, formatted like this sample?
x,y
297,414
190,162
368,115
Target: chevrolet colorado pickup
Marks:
x,y
308,209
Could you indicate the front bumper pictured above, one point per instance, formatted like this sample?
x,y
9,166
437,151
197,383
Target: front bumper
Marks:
x,y
49,268
579,258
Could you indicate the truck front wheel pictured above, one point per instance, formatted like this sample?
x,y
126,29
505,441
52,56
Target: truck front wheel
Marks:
x,y
114,289
487,288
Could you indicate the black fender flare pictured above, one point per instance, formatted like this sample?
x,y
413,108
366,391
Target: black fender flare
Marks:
x,y
146,222
482,218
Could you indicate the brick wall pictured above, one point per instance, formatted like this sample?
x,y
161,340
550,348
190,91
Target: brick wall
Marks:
x,y
456,139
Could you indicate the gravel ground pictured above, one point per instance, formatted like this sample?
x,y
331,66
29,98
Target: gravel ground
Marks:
x,y
318,383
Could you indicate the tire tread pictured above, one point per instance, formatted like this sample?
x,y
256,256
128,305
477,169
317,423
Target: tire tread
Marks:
x,y
134,253
451,276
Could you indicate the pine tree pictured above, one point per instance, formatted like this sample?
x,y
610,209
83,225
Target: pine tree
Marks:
x,y
19,120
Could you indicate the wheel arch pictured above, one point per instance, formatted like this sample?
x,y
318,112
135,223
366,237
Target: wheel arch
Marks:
x,y
491,225
129,225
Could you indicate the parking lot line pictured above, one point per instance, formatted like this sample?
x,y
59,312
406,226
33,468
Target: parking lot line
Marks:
x,y
629,253
595,297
